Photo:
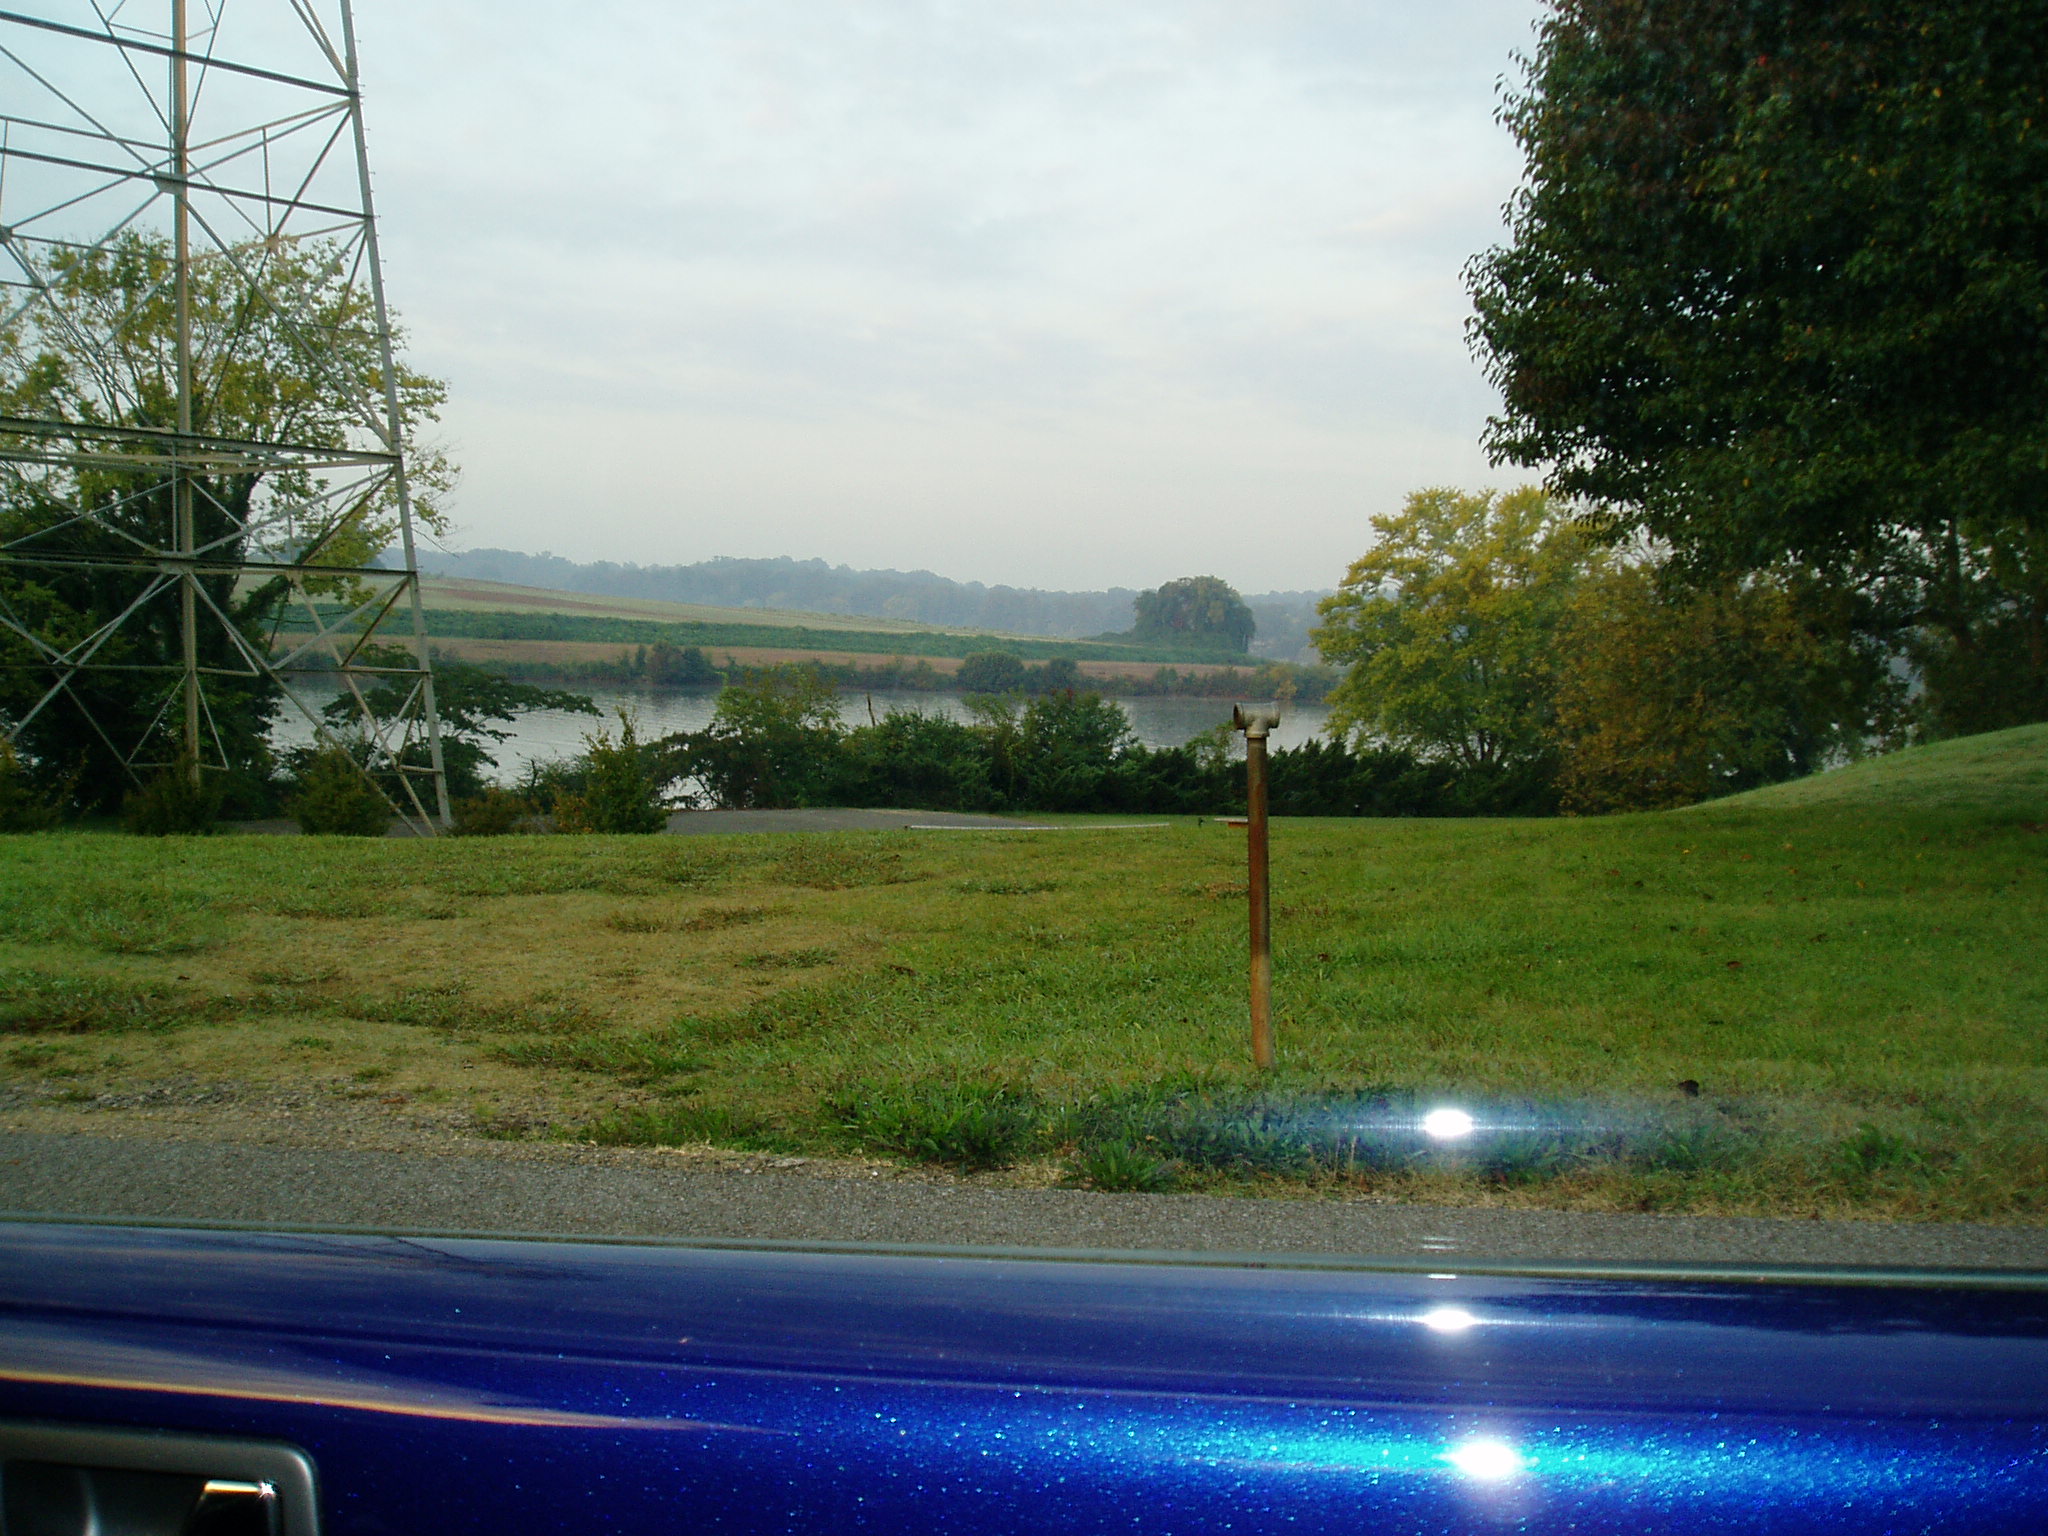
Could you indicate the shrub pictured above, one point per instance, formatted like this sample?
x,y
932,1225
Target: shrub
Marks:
x,y
493,813
1060,675
926,762
1065,751
335,797
175,802
774,741
542,784
23,807
1667,696
618,792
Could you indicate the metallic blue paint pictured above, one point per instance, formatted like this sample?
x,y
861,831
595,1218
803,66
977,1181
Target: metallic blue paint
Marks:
x,y
450,1385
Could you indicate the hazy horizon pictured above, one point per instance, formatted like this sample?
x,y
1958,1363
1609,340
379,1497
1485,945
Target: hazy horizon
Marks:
x,y
1012,292
433,558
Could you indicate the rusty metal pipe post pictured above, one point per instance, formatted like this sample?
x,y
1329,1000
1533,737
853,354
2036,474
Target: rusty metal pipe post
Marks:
x,y
1256,723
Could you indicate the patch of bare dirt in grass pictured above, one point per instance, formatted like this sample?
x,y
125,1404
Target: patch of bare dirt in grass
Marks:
x,y
508,1018
636,966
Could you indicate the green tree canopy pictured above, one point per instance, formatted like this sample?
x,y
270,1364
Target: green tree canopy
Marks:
x,y
1447,626
1777,291
770,743
669,666
991,672
1195,610
472,702
1669,694
285,350
1776,277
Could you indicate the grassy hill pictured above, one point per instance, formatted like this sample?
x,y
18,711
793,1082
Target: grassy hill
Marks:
x,y
1824,999
1996,773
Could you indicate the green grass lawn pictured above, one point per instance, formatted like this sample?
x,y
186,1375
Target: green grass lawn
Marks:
x,y
1825,998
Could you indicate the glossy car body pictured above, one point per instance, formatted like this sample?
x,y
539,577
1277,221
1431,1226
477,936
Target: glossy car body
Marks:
x,y
444,1385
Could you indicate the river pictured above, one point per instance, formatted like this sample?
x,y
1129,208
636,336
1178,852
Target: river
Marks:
x,y
546,734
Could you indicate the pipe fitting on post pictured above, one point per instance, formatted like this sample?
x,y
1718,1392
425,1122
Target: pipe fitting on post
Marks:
x,y
1257,720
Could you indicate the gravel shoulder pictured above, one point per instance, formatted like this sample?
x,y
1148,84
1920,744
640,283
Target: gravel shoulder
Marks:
x,y
309,1169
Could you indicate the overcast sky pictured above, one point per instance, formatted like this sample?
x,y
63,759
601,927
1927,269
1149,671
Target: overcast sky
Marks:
x,y
1056,294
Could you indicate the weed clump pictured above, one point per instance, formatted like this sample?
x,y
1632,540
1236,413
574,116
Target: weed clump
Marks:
x,y
328,903
449,1009
549,868
36,1003
640,922
148,923
966,1127
708,920
687,1125
116,919
1871,1152
1122,1166
711,919
290,976
788,960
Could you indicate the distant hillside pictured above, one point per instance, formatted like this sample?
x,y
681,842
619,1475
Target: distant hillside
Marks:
x,y
812,586
450,594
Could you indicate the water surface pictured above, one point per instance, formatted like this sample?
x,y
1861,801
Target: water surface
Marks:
x,y
546,734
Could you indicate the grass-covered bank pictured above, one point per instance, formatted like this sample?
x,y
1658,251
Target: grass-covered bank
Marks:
x,y
1856,987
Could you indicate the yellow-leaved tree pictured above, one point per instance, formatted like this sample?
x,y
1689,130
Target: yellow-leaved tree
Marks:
x,y
1447,627
1667,695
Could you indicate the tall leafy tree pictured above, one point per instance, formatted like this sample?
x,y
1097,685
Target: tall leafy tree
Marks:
x,y
285,351
1447,627
1670,693
1777,290
1197,609
991,672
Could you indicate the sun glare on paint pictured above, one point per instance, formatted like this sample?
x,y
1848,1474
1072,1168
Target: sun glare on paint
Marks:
x,y
1487,1461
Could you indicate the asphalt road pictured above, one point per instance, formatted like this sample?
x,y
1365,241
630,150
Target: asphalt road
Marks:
x,y
789,1199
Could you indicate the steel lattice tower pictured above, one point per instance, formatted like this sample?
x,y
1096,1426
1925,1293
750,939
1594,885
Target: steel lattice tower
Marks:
x,y
202,421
